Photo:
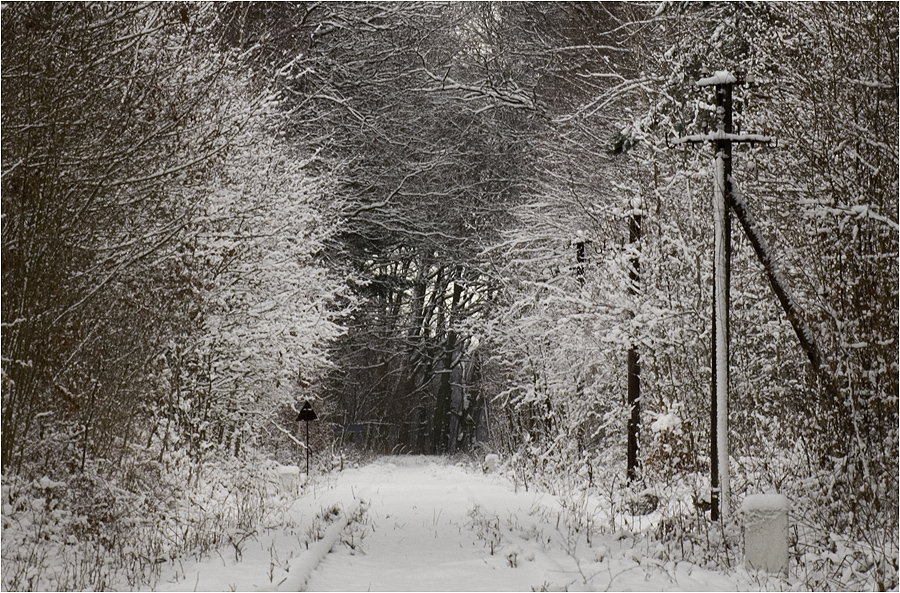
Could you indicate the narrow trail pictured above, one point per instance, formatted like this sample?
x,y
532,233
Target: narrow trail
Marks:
x,y
427,525
424,524
431,527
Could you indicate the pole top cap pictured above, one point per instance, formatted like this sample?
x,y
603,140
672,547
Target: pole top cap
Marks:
x,y
719,77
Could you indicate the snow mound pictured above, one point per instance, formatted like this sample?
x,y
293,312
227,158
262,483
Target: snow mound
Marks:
x,y
765,504
302,568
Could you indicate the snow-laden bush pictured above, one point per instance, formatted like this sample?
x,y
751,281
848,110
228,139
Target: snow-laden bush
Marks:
x,y
829,548
95,533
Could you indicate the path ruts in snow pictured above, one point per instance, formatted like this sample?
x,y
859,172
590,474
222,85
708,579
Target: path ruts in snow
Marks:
x,y
429,525
424,524
435,527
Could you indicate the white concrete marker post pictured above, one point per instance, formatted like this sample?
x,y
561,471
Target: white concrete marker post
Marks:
x,y
766,532
289,479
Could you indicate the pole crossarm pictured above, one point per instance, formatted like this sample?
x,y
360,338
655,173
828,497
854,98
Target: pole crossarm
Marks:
x,y
722,135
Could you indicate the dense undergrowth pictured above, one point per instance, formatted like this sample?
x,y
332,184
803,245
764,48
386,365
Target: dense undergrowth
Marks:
x,y
93,532
834,544
96,532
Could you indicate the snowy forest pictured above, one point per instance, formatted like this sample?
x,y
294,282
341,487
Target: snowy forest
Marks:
x,y
460,229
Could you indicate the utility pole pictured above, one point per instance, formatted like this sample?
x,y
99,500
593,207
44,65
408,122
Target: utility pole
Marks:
x,y
580,258
727,199
723,202
635,220
719,493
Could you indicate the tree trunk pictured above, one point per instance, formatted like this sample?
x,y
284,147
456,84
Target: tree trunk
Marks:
x,y
442,407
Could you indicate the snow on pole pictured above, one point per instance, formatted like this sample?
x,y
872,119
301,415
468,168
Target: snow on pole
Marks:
x,y
720,77
721,346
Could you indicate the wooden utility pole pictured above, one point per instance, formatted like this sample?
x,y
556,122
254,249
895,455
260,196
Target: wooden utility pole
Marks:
x,y
635,220
721,334
728,199
580,259
723,201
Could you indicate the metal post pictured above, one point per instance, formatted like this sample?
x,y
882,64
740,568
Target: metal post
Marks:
x,y
307,414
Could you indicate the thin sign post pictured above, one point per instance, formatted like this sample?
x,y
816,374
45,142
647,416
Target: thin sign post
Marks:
x,y
307,414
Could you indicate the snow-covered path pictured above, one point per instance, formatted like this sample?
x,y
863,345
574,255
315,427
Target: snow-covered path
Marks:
x,y
431,527
423,524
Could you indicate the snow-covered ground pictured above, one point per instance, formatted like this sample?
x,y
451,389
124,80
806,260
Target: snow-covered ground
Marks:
x,y
424,524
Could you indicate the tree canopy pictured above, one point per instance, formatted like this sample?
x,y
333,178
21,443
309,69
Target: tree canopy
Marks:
x,y
421,216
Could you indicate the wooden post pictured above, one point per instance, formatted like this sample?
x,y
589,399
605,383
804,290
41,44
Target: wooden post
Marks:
x,y
782,292
722,298
634,361
579,261
723,138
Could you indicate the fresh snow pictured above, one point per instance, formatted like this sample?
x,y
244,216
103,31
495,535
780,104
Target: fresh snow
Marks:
x,y
765,503
665,422
720,77
424,524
